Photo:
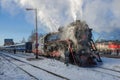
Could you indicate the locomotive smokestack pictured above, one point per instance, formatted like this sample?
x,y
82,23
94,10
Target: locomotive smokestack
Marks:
x,y
77,21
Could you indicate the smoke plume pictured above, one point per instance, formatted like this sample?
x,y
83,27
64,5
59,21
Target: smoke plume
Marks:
x,y
101,15
51,14
76,9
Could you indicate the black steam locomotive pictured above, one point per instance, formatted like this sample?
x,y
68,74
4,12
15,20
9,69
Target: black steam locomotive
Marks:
x,y
73,44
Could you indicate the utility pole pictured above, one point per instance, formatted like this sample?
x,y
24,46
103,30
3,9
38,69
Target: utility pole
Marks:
x,y
36,45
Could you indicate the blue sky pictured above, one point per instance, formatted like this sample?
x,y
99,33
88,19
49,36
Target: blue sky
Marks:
x,y
14,26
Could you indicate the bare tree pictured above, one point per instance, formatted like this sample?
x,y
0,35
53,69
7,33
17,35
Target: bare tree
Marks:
x,y
32,37
23,40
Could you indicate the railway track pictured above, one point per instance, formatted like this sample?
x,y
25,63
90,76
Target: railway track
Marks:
x,y
98,69
23,55
108,71
8,58
19,67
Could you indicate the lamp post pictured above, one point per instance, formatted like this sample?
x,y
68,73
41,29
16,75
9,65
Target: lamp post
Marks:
x,y
36,45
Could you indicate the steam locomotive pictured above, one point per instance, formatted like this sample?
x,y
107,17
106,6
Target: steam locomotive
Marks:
x,y
72,44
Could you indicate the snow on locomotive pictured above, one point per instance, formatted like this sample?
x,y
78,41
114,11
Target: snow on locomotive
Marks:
x,y
72,43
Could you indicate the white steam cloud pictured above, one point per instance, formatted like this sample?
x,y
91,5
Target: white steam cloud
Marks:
x,y
101,15
52,14
76,8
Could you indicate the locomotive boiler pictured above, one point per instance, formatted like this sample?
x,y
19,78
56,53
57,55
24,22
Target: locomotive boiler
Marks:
x,y
72,44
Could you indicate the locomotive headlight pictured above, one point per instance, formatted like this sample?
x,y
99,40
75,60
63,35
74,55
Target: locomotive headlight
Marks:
x,y
82,51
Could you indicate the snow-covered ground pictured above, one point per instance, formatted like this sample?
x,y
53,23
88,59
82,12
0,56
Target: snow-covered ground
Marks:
x,y
9,71
72,72
111,63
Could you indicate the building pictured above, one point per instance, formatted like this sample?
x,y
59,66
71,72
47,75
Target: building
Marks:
x,y
8,42
108,46
102,46
114,46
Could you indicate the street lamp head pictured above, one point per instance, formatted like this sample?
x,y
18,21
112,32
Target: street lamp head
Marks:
x,y
29,9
